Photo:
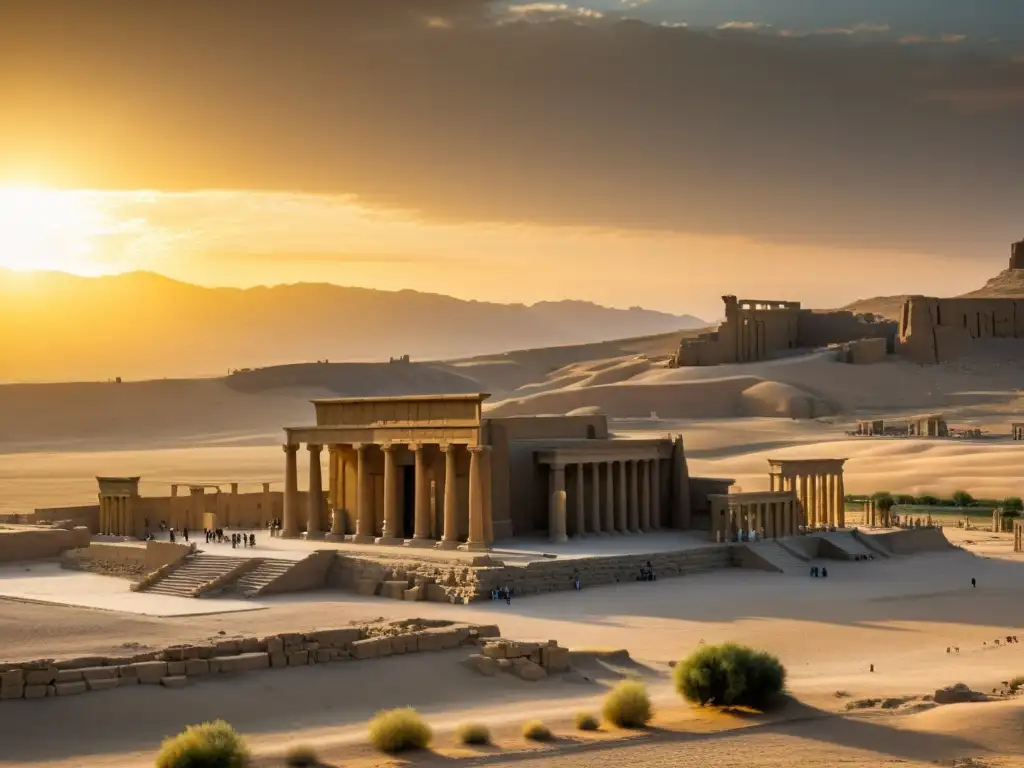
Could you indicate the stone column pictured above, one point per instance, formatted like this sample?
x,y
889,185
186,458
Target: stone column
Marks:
x,y
634,497
450,536
595,497
770,529
656,508
476,540
681,509
421,502
364,499
621,503
609,497
485,473
338,465
556,504
840,501
290,521
644,469
315,495
829,481
815,500
581,509
390,535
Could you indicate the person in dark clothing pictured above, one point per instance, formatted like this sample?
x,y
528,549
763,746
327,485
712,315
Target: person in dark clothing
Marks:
x,y
974,583
252,539
824,573
184,532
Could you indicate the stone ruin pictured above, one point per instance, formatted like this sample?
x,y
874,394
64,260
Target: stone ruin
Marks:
x,y
527,661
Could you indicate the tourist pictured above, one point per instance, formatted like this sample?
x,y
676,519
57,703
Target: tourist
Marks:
x,y
508,595
824,573
974,583
234,542
172,535
252,539
872,667
184,532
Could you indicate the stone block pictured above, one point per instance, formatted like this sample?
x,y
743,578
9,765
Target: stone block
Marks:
x,y
367,587
51,690
323,656
71,689
275,645
12,692
555,660
278,660
96,673
251,645
366,649
176,668
428,641
147,656
396,644
150,672
177,653
298,658
394,590
190,652
226,648
205,651
339,654
414,593
103,684
35,691
529,671
40,676
495,651
12,678
174,681
483,664
485,631
70,675
435,593
311,646
128,672
80,663
196,667
505,664
243,662
409,641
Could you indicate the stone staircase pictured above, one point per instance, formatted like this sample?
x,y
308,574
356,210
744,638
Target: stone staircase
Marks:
x,y
868,541
252,582
777,556
845,543
195,571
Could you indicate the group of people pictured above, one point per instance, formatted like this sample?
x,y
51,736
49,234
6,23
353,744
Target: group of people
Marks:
x,y
502,593
237,539
274,527
646,572
817,571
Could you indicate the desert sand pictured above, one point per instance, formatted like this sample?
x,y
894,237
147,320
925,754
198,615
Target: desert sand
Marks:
x,y
899,615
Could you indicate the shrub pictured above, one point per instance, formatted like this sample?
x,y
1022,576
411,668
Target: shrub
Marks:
x,y
301,757
962,499
475,734
903,498
1016,684
586,722
399,730
883,500
1012,506
927,500
535,730
627,705
730,675
209,745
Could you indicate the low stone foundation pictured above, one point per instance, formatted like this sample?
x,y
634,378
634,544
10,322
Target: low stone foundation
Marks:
x,y
176,666
527,661
461,583
124,560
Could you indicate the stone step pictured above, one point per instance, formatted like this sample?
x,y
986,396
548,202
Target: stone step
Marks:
x,y
192,573
251,582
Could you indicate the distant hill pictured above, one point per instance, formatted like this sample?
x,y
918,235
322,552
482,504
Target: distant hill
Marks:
x,y
60,327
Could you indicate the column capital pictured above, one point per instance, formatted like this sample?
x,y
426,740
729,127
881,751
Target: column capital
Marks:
x,y
290,448
415,447
314,448
478,448
448,447
387,447
360,447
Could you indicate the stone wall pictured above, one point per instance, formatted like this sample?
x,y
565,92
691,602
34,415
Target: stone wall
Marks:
x,y
450,582
309,573
128,560
819,329
177,666
19,544
912,540
864,352
933,330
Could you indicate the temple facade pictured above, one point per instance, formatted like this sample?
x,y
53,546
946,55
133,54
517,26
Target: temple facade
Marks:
x,y
432,471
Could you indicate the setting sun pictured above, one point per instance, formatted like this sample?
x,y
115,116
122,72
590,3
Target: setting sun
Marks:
x,y
43,229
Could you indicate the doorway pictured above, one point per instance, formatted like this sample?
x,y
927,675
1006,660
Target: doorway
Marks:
x,y
408,501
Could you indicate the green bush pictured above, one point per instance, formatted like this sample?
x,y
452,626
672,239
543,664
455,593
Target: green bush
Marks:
x,y
883,500
1016,684
399,730
535,730
1012,506
474,734
627,705
962,499
903,498
730,675
301,757
586,722
927,500
209,745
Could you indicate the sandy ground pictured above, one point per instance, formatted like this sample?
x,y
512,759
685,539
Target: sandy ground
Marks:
x,y
898,614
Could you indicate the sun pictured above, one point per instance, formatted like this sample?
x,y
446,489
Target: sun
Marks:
x,y
44,229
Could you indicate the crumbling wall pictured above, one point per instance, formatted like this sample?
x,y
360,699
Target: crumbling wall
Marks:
x,y
39,543
819,329
932,330
864,351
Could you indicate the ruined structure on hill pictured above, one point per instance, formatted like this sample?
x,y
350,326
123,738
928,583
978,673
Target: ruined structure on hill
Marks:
x,y
757,329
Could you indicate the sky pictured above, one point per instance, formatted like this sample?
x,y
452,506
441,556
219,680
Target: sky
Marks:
x,y
658,153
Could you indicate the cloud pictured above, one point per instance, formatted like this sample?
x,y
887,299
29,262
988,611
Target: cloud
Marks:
x,y
863,28
925,40
747,26
616,123
562,10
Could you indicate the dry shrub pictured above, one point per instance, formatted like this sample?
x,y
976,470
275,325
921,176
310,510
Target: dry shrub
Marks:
x,y
586,722
302,757
730,675
209,745
399,730
535,730
627,705
474,734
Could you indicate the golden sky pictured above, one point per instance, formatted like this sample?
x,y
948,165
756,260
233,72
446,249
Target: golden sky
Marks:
x,y
244,239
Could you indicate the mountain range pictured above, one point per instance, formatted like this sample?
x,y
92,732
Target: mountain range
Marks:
x,y
60,327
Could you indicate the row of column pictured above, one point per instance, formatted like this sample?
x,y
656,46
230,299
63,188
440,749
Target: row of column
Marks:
x,y
115,516
874,516
771,519
480,524
625,497
821,495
